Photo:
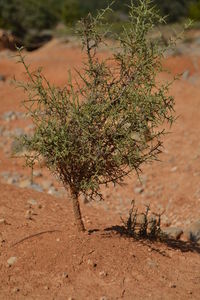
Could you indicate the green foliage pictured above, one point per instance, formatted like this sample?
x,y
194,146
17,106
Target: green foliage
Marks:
x,y
71,12
113,121
194,11
173,9
27,18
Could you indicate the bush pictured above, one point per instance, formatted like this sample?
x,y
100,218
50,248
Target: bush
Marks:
x,y
113,121
194,11
27,18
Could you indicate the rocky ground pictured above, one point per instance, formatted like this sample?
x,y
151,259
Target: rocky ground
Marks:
x,y
41,255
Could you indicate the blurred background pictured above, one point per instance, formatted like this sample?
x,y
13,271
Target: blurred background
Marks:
x,y
32,23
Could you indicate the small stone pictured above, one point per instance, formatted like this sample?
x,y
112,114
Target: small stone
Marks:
x,y
40,206
91,263
173,232
2,77
28,214
103,298
32,202
53,191
46,287
172,285
140,219
16,290
11,261
103,274
58,240
36,187
192,233
165,221
37,173
24,183
139,190
65,275
174,169
185,74
2,221
46,184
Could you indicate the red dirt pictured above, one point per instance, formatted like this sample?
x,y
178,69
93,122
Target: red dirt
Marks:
x,y
55,262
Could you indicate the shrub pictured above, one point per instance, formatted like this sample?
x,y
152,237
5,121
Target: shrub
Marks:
x,y
113,121
27,18
194,11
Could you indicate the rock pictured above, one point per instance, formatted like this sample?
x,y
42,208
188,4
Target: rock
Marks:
x,y
174,169
65,275
24,183
32,202
36,187
28,214
91,263
173,232
37,173
152,264
172,285
16,290
139,190
11,261
9,116
46,184
165,221
18,132
2,78
186,75
3,221
53,191
103,274
140,219
103,298
192,233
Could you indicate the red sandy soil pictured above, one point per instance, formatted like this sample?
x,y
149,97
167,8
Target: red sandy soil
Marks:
x,y
53,261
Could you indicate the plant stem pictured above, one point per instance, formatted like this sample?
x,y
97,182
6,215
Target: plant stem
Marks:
x,y
77,212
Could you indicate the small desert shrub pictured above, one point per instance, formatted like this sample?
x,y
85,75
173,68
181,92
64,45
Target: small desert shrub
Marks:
x,y
113,121
142,225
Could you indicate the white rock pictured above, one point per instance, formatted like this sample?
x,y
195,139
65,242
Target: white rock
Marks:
x,y
11,260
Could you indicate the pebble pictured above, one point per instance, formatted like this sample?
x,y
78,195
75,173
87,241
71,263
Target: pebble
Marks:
x,y
103,274
2,221
46,184
192,233
65,275
172,285
46,287
2,77
103,298
174,169
138,190
186,75
28,214
24,183
11,260
173,232
91,263
32,202
37,173
16,290
36,187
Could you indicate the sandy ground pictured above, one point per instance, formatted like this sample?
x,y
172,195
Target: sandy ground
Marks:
x,y
49,259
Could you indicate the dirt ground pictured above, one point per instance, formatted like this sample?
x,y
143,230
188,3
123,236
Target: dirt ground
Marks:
x,y
43,257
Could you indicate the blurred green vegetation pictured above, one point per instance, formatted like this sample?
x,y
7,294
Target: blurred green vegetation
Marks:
x,y
26,19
